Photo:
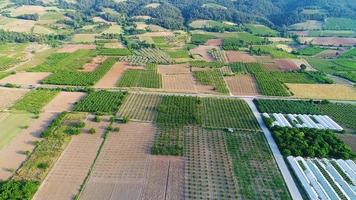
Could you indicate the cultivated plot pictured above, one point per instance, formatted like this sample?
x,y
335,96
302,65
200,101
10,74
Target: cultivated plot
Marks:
x,y
140,107
203,52
242,85
238,56
64,101
177,78
69,172
323,91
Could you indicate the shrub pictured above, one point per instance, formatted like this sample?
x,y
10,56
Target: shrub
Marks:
x,y
92,131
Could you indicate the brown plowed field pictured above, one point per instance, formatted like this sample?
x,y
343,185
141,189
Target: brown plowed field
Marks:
x,y
70,48
165,178
334,41
120,170
242,85
238,56
178,83
69,172
174,69
203,52
25,78
64,101
9,96
12,156
214,42
287,65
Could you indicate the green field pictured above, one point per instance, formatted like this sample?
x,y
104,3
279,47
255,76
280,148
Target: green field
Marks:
x,y
261,30
272,51
148,78
310,51
340,24
12,124
34,101
102,102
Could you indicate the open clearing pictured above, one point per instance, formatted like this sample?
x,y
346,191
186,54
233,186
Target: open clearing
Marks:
x,y
25,78
28,10
323,91
9,96
123,172
238,56
70,48
18,25
74,164
84,38
214,42
203,52
242,85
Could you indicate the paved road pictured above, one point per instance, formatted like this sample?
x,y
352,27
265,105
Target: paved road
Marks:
x,y
292,187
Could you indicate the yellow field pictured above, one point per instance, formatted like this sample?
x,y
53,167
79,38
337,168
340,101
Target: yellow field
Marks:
x,y
84,38
323,91
28,10
114,29
17,25
42,30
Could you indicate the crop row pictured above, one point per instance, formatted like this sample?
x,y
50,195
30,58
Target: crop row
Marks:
x,y
148,78
135,60
218,55
154,55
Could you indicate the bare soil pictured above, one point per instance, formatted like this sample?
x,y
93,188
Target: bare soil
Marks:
x,y
174,69
9,96
238,56
121,168
287,65
70,48
334,41
349,139
95,62
25,78
69,172
114,74
179,83
64,101
12,156
202,52
214,42
242,85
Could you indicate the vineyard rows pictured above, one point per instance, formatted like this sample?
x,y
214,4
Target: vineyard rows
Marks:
x,y
134,60
154,56
218,55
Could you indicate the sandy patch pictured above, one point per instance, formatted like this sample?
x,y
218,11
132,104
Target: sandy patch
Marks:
x,y
25,78
121,168
161,33
203,52
64,101
114,45
323,91
12,156
279,39
214,42
28,10
70,48
242,85
73,165
142,17
94,63
9,96
238,56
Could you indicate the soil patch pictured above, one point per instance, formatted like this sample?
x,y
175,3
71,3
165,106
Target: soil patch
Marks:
x,y
9,96
64,101
242,85
25,78
238,56
214,42
95,62
203,52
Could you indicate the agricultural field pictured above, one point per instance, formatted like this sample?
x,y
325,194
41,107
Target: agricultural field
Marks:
x,y
101,102
10,96
242,85
322,91
212,77
154,56
147,78
261,30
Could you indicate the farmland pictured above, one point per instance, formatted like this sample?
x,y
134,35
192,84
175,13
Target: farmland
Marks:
x,y
102,102
176,99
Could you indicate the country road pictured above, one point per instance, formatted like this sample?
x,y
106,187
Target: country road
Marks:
x,y
292,187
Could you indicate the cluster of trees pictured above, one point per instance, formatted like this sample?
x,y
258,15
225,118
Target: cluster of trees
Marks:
x,y
311,143
34,17
16,37
17,189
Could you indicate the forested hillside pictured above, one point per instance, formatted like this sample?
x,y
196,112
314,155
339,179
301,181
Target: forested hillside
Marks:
x,y
175,13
